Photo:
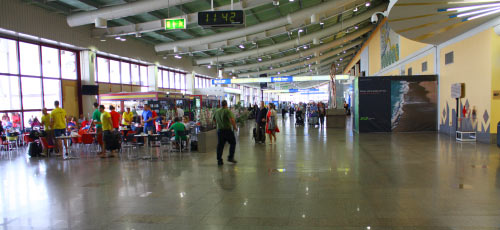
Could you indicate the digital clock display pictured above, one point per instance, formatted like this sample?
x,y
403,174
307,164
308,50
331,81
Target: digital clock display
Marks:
x,y
221,18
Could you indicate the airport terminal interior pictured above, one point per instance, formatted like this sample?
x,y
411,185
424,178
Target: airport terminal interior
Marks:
x,y
250,114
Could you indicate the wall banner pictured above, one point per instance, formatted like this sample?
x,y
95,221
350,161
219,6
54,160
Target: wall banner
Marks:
x,y
389,46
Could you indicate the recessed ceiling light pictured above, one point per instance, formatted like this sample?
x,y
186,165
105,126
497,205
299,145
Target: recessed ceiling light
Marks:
x,y
209,66
356,27
321,23
301,30
367,4
260,59
103,40
118,38
178,56
355,9
123,39
241,46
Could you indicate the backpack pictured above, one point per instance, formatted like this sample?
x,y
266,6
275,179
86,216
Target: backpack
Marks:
x,y
34,149
34,135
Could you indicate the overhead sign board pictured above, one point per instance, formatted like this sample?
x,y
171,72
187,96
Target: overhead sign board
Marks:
x,y
225,18
175,23
282,79
221,81
270,79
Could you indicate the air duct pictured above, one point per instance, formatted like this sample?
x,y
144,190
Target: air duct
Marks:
x,y
120,11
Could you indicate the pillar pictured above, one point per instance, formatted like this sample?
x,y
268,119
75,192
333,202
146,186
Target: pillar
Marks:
x,y
87,66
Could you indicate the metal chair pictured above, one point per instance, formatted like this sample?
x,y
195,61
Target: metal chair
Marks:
x,y
154,142
12,141
179,141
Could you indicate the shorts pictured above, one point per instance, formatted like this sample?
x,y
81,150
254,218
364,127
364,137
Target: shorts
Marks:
x,y
148,128
106,135
59,132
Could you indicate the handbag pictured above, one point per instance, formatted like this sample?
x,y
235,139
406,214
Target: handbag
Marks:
x,y
271,125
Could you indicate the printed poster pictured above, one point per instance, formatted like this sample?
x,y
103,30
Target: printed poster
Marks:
x,y
389,46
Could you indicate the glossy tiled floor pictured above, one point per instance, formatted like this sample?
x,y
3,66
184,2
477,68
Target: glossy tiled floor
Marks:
x,y
312,179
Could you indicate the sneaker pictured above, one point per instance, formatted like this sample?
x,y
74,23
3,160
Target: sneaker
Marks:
x,y
220,163
232,161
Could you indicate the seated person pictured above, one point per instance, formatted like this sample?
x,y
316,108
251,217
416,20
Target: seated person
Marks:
x,y
35,123
185,121
72,124
178,127
85,123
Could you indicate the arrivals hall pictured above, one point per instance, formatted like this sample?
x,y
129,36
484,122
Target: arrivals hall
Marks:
x,y
250,114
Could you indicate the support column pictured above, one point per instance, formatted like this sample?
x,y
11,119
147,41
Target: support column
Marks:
x,y
153,78
190,83
87,66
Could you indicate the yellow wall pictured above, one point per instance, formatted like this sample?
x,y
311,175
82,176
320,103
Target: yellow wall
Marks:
x,y
471,66
408,47
70,97
495,80
394,72
477,64
417,65
374,53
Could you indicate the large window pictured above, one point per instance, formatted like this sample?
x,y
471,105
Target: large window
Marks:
x,y
30,79
116,71
171,79
201,82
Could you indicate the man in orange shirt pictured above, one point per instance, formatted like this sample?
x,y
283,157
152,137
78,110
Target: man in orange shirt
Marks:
x,y
115,117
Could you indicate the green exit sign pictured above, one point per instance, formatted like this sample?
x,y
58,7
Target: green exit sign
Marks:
x,y
175,24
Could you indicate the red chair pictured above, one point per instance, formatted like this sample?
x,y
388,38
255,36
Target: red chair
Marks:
x,y
88,140
27,139
4,145
46,146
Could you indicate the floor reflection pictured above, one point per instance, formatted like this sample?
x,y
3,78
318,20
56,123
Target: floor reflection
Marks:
x,y
313,178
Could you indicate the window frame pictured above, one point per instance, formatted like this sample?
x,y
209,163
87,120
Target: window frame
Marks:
x,y
172,75
21,76
120,61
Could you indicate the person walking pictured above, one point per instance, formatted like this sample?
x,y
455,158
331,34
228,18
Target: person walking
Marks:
x,y
96,120
322,114
260,120
224,120
58,122
47,127
115,117
147,120
107,137
283,111
271,123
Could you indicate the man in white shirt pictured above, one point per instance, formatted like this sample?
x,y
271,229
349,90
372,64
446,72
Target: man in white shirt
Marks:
x,y
179,112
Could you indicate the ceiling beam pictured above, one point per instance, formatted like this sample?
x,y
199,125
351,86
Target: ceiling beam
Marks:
x,y
297,17
289,44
